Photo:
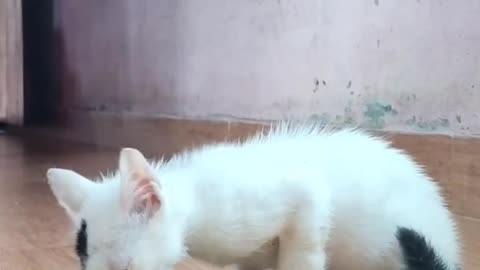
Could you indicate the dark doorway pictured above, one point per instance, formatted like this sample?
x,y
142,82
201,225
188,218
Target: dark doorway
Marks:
x,y
41,86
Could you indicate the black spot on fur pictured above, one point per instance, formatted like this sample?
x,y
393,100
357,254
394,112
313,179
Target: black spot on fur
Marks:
x,y
82,244
418,254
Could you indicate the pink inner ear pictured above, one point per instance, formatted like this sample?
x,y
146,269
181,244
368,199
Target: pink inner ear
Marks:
x,y
145,198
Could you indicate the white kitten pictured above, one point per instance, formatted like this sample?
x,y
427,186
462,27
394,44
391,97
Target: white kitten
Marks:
x,y
297,198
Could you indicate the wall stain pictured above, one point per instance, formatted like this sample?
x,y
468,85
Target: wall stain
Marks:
x,y
411,121
429,125
459,119
347,110
349,84
322,119
411,97
325,119
316,83
324,83
378,43
376,2
376,112
377,115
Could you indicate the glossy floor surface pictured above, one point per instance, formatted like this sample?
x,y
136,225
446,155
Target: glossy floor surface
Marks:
x,y
34,231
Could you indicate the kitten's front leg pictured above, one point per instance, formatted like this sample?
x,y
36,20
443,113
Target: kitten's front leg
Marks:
x,y
158,250
303,250
156,253
303,242
301,258
150,261
148,257
145,263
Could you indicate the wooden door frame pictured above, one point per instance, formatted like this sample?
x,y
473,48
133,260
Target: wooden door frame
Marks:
x,y
11,63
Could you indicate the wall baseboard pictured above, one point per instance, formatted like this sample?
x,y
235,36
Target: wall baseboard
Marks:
x,y
453,162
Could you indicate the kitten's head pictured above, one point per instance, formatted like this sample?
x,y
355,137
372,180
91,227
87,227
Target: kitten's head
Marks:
x,y
111,215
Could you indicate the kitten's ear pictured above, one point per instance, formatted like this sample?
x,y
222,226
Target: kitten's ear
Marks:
x,y
140,192
70,189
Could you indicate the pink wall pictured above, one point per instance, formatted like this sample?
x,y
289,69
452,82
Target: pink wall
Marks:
x,y
410,65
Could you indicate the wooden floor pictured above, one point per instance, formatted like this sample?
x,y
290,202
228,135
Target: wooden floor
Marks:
x,y
34,231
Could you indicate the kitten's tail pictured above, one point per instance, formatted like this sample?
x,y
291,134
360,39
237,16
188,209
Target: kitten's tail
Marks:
x,y
418,254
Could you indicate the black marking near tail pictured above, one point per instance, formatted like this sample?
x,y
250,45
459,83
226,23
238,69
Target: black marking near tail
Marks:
x,y
418,254
82,243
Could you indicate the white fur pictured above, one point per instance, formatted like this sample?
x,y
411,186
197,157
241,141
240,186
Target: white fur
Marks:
x,y
305,195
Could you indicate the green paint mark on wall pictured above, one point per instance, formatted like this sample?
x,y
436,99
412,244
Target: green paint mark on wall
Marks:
x,y
376,112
